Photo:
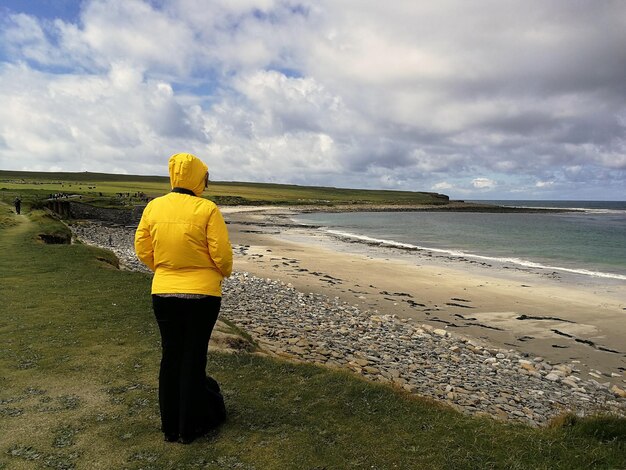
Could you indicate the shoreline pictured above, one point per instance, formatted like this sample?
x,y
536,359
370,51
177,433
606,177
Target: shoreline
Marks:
x,y
303,301
531,310
460,256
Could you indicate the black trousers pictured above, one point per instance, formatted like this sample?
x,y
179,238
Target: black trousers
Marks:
x,y
185,326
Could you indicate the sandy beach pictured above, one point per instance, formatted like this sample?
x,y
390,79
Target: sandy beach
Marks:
x,y
509,342
561,317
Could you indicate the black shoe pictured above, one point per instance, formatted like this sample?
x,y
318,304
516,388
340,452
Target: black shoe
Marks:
x,y
186,439
171,437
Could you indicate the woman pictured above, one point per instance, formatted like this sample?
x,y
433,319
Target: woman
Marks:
x,y
183,239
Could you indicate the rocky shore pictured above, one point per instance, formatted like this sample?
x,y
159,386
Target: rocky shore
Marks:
x,y
473,377
117,238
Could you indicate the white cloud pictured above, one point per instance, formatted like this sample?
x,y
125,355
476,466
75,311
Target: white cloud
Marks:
x,y
483,183
133,30
90,122
353,93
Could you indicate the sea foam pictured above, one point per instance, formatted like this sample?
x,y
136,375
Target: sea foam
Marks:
x,y
461,254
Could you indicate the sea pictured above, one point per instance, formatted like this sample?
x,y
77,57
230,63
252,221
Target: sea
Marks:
x,y
588,240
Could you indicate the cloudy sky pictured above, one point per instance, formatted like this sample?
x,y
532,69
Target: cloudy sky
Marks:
x,y
479,100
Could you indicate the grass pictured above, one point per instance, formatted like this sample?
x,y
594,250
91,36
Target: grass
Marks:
x,y
79,353
100,188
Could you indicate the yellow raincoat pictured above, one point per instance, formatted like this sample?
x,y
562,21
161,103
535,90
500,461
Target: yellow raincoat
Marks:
x,y
183,238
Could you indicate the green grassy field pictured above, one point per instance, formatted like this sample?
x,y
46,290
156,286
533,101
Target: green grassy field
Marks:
x,y
79,353
92,185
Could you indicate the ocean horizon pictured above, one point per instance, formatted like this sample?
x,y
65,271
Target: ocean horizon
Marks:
x,y
589,240
578,205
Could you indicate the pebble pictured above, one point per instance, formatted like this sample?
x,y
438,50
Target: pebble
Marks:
x,y
418,358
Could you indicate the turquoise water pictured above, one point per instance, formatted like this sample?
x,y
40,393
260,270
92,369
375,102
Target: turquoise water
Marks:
x,y
590,241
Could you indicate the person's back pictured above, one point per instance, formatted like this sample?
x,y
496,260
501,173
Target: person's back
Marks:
x,y
187,254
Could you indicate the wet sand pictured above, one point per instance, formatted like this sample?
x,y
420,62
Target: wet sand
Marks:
x,y
563,318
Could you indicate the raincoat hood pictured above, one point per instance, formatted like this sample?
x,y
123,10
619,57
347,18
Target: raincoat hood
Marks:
x,y
187,171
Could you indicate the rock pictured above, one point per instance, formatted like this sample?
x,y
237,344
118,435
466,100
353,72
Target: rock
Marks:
x,y
560,373
565,370
618,391
324,352
570,382
440,332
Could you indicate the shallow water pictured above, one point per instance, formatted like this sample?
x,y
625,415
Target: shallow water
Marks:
x,y
590,241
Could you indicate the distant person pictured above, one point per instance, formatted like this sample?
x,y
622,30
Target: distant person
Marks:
x,y
18,204
183,239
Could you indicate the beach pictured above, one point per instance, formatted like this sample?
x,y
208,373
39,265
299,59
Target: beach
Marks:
x,y
560,317
508,342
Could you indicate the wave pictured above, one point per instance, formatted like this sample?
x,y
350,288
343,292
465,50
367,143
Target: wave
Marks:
x,y
462,254
582,209
599,207
573,209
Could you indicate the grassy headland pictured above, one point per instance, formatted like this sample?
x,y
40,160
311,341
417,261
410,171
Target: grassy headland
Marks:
x,y
99,188
79,354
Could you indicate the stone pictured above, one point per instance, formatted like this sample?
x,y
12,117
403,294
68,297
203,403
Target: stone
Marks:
x,y
553,377
618,391
529,367
440,332
399,381
571,383
297,350
565,370
560,373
